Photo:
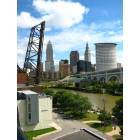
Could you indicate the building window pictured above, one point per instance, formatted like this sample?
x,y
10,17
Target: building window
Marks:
x,y
29,116
29,107
29,99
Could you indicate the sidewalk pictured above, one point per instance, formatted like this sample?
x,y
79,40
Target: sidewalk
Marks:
x,y
94,121
114,132
58,128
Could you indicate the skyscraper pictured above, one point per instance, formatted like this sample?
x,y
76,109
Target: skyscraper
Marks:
x,y
87,53
74,58
64,68
49,63
105,56
83,66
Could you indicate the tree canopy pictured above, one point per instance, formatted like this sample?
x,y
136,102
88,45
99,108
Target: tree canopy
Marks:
x,y
117,111
71,104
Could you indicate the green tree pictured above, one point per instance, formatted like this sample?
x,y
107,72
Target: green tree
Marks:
x,y
105,118
49,92
117,111
113,87
72,104
80,105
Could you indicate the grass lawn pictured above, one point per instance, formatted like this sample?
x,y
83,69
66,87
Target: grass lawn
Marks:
x,y
100,127
90,116
35,133
117,137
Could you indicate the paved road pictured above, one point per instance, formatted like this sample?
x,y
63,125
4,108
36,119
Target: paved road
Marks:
x,y
68,126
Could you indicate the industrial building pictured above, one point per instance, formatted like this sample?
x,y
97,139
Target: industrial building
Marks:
x,y
34,110
22,77
105,56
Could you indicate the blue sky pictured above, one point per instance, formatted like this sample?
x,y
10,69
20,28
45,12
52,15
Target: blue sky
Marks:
x,y
70,24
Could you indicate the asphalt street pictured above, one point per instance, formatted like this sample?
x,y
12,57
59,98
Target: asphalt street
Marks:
x,y
68,126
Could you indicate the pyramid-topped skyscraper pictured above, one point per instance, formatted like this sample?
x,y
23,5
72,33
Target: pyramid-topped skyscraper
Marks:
x,y
87,53
49,63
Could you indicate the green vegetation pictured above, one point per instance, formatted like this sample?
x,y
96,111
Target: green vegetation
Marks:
x,y
95,99
90,116
94,87
105,125
73,105
117,137
49,92
35,133
117,111
111,87
100,127
105,118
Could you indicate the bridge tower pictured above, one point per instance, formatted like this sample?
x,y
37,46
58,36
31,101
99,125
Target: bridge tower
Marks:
x,y
33,56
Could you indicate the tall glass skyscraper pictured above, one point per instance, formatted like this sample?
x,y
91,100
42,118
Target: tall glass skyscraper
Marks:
x,y
49,63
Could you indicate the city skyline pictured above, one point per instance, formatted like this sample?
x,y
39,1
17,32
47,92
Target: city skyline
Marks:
x,y
88,21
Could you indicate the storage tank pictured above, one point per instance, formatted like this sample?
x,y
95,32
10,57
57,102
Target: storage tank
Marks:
x,y
105,56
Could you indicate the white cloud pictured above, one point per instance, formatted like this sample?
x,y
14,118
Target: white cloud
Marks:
x,y
25,20
57,14
76,37
21,50
61,14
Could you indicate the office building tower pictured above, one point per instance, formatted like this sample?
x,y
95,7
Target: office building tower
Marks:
x,y
105,56
83,66
119,65
49,63
64,68
87,53
74,58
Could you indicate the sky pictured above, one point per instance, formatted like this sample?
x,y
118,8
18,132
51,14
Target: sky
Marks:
x,y
69,25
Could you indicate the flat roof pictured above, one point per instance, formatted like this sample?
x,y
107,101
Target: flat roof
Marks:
x,y
105,43
27,92
21,95
82,134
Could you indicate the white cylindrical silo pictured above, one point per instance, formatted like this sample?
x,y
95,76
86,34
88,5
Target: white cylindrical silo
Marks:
x,y
105,56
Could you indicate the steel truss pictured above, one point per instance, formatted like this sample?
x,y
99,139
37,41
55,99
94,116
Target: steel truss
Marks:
x,y
33,56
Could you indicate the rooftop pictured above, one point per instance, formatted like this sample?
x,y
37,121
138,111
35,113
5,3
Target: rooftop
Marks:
x,y
105,43
21,95
27,92
82,134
